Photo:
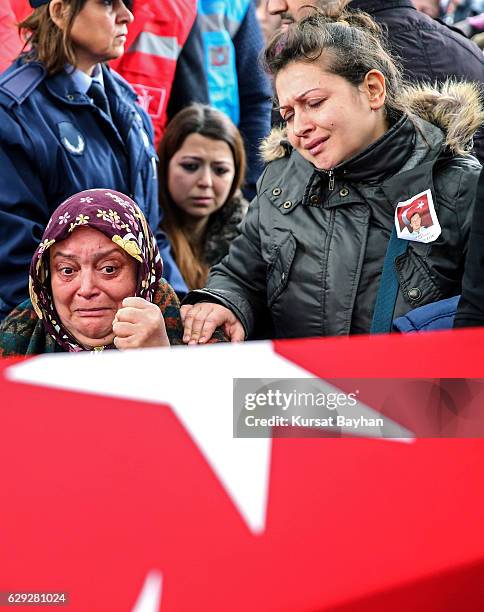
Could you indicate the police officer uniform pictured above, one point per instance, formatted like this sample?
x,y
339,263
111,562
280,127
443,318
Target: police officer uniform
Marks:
x,y
55,140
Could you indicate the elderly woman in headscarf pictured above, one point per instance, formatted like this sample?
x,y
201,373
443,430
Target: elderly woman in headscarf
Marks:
x,y
95,283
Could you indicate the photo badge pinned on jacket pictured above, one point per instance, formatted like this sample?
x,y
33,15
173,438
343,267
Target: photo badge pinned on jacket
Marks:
x,y
416,219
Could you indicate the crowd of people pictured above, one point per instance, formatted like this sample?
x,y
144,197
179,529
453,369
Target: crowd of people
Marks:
x,y
133,136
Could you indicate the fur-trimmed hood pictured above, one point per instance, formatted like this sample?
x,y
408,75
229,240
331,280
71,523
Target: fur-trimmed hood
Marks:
x,y
455,107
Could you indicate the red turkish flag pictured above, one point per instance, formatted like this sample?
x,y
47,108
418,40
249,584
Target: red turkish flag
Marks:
x,y
99,493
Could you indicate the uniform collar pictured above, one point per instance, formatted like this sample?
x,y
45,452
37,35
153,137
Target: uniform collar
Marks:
x,y
83,81
72,85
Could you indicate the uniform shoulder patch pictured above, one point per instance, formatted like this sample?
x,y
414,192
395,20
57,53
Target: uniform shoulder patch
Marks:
x,y
19,83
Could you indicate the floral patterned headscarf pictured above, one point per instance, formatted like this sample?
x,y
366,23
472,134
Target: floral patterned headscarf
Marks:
x,y
117,217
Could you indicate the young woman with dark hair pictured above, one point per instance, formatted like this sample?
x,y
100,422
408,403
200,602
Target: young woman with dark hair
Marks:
x,y
202,168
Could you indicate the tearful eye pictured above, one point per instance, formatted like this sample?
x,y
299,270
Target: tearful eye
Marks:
x,y
221,171
188,167
315,103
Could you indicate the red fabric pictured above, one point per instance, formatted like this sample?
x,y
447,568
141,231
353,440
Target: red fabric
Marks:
x,y
443,354
21,8
95,492
11,45
152,76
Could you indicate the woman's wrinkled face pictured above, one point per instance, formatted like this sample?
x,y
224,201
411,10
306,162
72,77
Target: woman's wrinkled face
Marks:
x,y
200,176
90,277
328,119
99,32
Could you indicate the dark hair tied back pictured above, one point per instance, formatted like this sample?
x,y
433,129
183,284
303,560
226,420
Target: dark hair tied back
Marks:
x,y
348,43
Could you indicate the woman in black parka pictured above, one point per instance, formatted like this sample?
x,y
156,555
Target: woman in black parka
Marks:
x,y
325,248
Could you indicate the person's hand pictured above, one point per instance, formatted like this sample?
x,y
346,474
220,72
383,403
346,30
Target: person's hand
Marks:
x,y
201,320
139,324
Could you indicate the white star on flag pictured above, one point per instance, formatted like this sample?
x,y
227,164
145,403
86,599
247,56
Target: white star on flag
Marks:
x,y
197,383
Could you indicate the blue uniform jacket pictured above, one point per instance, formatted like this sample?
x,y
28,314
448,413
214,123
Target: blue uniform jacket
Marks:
x,y
55,142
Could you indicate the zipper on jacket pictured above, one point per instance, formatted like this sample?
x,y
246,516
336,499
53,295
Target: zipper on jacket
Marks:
x,y
330,180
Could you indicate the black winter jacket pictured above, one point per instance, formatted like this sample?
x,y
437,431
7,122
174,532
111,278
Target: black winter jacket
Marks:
x,y
429,50
470,312
311,252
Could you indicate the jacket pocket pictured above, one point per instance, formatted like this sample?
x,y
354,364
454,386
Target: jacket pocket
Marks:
x,y
278,272
416,280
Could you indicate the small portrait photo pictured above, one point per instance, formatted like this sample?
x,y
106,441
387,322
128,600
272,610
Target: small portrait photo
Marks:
x,y
416,219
